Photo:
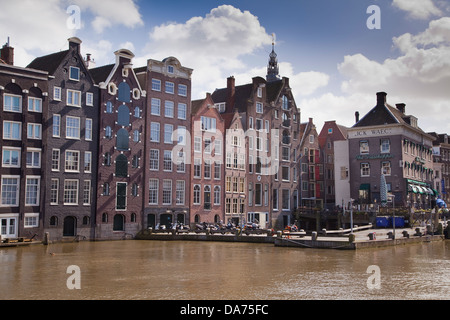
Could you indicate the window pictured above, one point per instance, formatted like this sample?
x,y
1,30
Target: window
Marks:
x,y
364,147
121,196
170,87
241,185
154,160
259,92
168,131
385,146
135,162
169,109
250,123
181,132
108,132
31,220
365,170
74,73
12,130
217,169
207,169
73,98
208,145
154,132
285,203
72,163
123,116
135,190
123,140
54,190
55,159
259,125
87,192
275,199
285,103
136,136
180,192
89,99
109,107
32,191
153,191
386,168
285,173
10,191
107,159
182,90
71,192
181,162
197,168
11,157
197,144
167,192
34,131
12,103
156,85
170,69
87,161
182,111
167,160
33,158
208,124
124,92
250,194
217,194
196,199
56,125
121,166
207,198
259,107
72,128
88,130
258,194
228,206
34,104
57,93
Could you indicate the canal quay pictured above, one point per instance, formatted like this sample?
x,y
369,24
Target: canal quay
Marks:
x,y
363,237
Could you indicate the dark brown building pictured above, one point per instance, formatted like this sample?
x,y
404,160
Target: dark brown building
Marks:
x,y
121,149
24,102
71,144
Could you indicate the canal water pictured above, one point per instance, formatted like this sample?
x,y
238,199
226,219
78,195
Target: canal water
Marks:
x,y
142,270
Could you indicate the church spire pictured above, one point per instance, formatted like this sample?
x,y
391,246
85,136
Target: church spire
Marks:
x,y
272,68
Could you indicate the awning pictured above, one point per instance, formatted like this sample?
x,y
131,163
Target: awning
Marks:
x,y
364,186
414,188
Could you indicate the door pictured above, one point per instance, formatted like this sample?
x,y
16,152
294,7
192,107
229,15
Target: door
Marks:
x,y
8,227
69,227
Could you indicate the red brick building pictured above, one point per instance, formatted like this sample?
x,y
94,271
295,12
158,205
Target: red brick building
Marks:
x,y
207,162
167,142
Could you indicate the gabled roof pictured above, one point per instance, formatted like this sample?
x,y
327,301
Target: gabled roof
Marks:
x,y
242,94
100,74
49,62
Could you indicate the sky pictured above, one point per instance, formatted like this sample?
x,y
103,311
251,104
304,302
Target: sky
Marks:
x,y
336,54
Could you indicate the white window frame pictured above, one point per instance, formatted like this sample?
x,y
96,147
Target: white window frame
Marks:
x,y
89,99
71,96
56,161
11,149
56,126
11,109
152,189
66,161
34,151
36,203
32,103
54,190
57,93
87,193
17,191
31,220
70,73
73,128
70,190
88,131
87,162
10,135
169,87
36,131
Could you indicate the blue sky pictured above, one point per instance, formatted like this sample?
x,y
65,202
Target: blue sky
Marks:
x,y
335,63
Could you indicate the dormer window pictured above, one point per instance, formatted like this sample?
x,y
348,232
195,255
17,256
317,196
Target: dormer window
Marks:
x,y
170,69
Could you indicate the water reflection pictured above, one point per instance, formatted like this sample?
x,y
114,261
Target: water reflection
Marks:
x,y
222,271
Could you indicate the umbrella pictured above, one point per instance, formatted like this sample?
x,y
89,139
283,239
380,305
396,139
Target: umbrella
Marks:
x,y
383,191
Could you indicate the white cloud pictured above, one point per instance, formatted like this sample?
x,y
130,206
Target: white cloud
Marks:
x,y
418,9
112,12
212,45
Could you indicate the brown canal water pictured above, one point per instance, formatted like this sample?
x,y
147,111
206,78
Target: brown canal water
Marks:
x,y
142,270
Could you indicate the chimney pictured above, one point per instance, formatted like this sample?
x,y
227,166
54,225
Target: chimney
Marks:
x,y
231,94
7,53
381,98
357,116
401,107
89,62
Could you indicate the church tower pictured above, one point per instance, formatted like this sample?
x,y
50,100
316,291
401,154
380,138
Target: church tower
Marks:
x,y
272,68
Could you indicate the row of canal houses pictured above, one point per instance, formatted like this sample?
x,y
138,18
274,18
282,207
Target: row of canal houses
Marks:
x,y
103,152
